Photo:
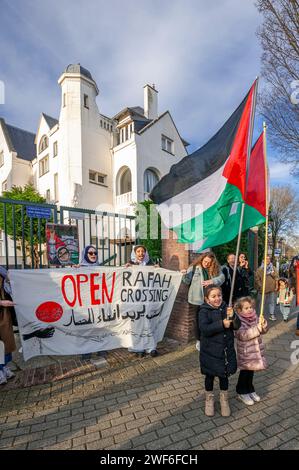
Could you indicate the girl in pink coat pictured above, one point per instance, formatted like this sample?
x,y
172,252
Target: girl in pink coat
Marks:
x,y
250,349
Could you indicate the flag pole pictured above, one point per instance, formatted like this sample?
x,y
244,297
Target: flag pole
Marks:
x,y
249,144
266,225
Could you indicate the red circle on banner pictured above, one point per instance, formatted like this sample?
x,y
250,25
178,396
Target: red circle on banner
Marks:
x,y
49,312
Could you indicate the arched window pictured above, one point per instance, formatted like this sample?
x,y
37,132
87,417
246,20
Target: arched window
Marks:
x,y
126,182
151,178
43,144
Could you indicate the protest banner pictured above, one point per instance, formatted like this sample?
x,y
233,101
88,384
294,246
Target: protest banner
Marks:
x,y
76,311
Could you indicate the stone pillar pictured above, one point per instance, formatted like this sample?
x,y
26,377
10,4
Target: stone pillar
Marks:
x,y
181,323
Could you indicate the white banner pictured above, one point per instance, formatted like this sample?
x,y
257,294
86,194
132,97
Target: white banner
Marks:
x,y
76,311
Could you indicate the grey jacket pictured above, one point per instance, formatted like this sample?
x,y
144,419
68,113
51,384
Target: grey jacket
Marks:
x,y
196,294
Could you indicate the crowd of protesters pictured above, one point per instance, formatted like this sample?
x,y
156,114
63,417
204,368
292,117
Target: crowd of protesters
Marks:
x,y
222,316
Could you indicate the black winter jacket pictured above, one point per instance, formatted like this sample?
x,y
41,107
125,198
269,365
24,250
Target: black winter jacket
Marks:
x,y
217,351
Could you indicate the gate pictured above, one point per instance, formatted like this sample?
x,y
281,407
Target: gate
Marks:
x,y
22,238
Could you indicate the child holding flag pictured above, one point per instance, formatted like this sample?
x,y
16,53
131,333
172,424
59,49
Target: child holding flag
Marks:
x,y
250,349
217,323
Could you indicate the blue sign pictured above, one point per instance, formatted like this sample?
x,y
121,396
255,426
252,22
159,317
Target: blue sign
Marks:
x,y
38,212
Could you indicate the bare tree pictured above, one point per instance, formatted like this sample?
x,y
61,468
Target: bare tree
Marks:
x,y
279,100
283,213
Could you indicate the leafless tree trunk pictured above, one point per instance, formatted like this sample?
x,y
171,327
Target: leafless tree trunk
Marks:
x,y
283,214
279,100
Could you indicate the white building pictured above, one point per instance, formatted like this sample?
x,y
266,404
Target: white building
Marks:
x,y
88,160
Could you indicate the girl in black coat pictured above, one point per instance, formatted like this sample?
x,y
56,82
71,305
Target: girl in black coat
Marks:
x,y
217,353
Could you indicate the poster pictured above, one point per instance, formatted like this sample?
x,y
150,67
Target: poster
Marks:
x,y
62,244
77,311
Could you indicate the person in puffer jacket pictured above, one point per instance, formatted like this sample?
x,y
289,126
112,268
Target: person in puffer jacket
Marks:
x,y
250,349
217,358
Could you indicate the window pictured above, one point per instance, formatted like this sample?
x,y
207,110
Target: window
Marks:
x,y
43,144
56,193
55,149
48,196
1,158
167,144
97,178
101,123
44,165
126,182
150,180
64,100
86,102
4,186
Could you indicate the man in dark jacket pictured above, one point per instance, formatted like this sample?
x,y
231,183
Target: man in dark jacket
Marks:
x,y
228,271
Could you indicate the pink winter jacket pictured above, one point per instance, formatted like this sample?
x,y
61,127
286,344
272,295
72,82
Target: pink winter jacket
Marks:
x,y
250,348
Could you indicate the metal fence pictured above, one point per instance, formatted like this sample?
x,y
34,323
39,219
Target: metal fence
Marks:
x,y
22,239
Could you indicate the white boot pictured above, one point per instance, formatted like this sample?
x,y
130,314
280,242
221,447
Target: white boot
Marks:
x,y
9,374
254,396
3,380
246,398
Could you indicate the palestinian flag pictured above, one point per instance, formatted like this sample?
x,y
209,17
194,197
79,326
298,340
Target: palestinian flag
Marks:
x,y
202,195
255,202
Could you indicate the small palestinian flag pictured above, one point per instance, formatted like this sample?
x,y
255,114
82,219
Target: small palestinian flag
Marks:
x,y
201,197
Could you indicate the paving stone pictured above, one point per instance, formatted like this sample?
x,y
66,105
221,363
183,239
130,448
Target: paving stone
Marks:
x,y
151,405
291,445
271,443
215,444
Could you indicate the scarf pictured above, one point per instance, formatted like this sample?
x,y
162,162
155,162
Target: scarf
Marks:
x,y
269,267
205,274
250,320
85,261
135,260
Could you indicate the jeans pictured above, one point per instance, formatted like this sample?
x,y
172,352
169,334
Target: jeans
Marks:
x,y
285,311
8,358
209,383
269,303
245,385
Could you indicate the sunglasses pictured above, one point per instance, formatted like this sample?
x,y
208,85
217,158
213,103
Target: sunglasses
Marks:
x,y
92,253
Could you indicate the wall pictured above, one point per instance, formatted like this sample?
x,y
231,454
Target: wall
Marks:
x,y
6,169
182,319
150,153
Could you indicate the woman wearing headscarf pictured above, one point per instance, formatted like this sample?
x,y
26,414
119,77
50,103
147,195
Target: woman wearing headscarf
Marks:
x,y
89,258
140,257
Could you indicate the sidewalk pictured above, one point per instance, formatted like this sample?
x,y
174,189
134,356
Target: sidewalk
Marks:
x,y
154,403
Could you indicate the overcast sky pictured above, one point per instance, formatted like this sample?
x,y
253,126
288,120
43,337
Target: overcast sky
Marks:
x,y
202,55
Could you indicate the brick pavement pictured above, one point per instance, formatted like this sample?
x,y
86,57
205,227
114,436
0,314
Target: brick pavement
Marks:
x,y
155,403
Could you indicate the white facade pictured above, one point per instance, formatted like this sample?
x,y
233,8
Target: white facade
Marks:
x,y
85,159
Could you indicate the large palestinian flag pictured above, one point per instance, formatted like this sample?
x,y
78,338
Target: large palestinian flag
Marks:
x,y
202,195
